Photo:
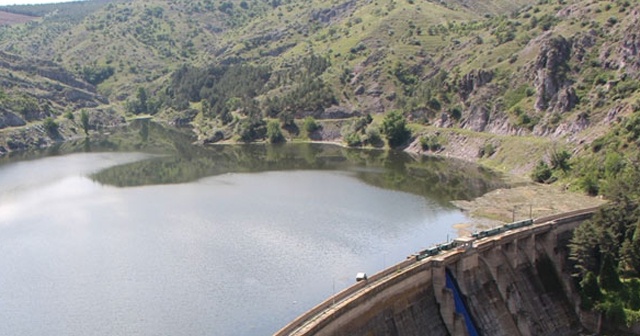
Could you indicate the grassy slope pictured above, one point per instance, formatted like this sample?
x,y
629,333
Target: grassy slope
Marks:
x,y
146,40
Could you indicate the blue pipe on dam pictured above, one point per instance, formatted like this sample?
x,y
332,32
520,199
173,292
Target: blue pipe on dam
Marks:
x,y
461,308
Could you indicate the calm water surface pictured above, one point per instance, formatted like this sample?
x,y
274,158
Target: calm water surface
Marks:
x,y
147,235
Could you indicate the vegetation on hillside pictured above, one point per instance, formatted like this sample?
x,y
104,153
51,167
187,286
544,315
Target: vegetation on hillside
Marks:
x,y
559,69
552,69
547,68
606,251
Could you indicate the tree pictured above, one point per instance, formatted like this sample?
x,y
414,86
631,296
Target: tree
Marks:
x,y
84,118
310,125
51,127
542,172
142,99
560,160
394,127
274,134
251,128
585,247
609,278
589,290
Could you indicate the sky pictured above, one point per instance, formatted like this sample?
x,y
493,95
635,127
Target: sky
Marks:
x,y
26,2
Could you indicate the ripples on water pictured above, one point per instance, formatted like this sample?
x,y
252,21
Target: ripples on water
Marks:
x,y
170,239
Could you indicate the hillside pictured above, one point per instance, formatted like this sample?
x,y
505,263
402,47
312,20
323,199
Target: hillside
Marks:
x,y
491,80
7,18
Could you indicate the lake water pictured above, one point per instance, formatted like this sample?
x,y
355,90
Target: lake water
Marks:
x,y
144,234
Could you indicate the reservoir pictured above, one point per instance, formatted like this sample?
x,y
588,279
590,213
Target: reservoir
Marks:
x,y
142,233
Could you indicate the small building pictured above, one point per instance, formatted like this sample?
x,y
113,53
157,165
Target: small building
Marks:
x,y
464,243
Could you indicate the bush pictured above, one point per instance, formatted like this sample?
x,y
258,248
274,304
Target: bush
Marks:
x,y
613,311
542,173
589,183
373,136
96,74
84,118
589,291
353,139
50,126
362,122
560,160
487,150
430,142
455,113
310,125
394,127
274,134
250,129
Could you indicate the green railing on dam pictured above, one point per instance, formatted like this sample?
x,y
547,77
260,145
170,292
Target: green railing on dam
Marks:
x,y
322,315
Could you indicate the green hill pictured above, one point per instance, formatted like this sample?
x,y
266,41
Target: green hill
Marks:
x,y
507,78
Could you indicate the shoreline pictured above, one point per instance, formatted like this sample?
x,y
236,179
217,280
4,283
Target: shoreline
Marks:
x,y
521,196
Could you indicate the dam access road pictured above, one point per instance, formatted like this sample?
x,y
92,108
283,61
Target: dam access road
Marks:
x,y
511,283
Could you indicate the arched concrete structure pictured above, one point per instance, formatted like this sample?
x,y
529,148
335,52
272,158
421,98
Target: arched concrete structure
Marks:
x,y
514,283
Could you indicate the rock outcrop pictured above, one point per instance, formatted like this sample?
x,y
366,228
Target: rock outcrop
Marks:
x,y
472,81
9,119
328,15
629,50
550,68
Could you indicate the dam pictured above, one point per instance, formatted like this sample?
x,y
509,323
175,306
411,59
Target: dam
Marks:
x,y
513,282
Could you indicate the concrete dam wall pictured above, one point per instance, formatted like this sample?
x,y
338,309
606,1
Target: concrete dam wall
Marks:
x,y
513,283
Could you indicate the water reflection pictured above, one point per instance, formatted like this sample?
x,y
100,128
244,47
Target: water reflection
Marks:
x,y
227,254
440,179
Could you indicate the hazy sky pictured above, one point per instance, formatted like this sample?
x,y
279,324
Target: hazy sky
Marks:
x,y
23,2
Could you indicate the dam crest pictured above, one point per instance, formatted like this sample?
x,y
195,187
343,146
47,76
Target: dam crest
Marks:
x,y
513,281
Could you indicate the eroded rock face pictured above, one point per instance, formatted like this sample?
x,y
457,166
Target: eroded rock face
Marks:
x,y
566,99
581,43
337,112
9,119
472,81
629,50
550,73
328,15
478,118
580,123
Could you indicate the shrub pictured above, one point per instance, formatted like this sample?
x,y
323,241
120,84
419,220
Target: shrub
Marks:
x,y
96,74
373,136
84,119
394,127
455,113
589,183
50,126
542,173
430,142
310,125
353,139
274,134
560,160
250,129
487,150
589,291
